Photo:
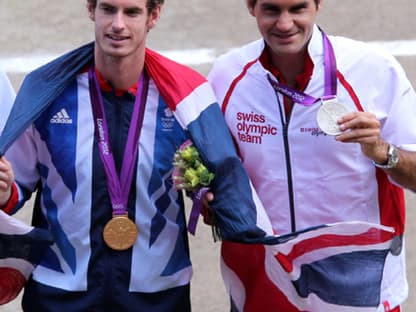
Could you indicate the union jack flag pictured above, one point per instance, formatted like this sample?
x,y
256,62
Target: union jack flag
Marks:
x,y
336,268
21,247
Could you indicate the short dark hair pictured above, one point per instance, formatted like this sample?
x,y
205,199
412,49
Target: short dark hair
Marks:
x,y
151,4
252,3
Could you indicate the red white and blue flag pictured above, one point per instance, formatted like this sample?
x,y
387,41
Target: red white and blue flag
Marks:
x,y
191,100
336,268
21,248
324,269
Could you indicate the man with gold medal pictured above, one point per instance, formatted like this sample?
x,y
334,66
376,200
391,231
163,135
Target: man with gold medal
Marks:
x,y
94,134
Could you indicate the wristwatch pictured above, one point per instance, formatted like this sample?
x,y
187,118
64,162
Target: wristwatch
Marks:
x,y
392,158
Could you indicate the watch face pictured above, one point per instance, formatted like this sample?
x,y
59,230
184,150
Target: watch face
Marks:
x,y
392,160
393,157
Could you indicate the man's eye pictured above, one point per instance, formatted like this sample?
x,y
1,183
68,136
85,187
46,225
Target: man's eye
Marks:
x,y
299,9
132,12
271,10
107,10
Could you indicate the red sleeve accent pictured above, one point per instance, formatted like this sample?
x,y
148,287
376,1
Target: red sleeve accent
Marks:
x,y
350,91
234,84
392,203
12,202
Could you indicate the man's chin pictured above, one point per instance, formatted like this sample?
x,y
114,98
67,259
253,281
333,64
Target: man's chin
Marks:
x,y
116,52
288,50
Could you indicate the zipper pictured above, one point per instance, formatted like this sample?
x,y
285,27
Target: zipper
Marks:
x,y
285,125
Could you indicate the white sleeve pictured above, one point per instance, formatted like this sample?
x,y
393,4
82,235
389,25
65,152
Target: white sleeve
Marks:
x,y
7,96
22,153
398,126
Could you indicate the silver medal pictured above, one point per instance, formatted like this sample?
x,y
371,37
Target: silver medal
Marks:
x,y
328,114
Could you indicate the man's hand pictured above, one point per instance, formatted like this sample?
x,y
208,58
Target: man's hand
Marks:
x,y
365,129
6,180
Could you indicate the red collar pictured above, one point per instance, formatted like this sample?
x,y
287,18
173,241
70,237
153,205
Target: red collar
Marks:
x,y
105,85
301,79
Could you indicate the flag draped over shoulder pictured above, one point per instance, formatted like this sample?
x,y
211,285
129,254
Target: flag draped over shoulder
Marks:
x,y
318,269
182,88
336,267
236,205
21,249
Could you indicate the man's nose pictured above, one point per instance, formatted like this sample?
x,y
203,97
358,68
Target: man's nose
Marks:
x,y
118,21
284,22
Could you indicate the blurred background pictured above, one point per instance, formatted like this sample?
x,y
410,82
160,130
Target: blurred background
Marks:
x,y
194,32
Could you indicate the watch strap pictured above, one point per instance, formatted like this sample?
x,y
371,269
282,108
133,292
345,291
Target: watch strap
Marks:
x,y
392,158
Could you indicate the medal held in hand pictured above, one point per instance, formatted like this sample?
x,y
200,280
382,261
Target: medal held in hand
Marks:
x,y
331,110
120,233
328,115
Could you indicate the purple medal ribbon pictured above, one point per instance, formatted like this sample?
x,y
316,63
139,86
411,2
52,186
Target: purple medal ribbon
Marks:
x,y
196,209
330,69
330,79
118,188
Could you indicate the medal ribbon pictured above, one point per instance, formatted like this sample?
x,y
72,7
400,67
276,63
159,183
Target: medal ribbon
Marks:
x,y
330,79
118,188
196,209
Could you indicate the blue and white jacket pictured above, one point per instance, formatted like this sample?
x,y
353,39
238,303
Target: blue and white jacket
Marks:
x,y
49,138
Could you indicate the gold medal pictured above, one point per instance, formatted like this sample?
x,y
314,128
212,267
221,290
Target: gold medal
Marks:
x,y
120,233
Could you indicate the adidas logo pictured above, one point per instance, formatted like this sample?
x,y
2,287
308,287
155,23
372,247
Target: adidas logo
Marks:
x,y
61,117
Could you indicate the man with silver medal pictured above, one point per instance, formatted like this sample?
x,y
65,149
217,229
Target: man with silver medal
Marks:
x,y
342,149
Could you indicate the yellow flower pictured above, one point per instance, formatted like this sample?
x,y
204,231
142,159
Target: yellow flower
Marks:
x,y
189,172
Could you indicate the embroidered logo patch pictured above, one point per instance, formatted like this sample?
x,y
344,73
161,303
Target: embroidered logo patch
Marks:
x,y
168,120
61,117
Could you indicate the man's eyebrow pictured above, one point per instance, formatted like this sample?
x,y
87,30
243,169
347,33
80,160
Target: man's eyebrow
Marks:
x,y
105,6
134,10
295,7
270,6
301,5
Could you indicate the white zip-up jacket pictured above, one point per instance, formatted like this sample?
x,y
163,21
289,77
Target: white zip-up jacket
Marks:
x,y
303,177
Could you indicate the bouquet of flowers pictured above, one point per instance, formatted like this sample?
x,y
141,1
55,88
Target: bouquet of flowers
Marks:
x,y
189,173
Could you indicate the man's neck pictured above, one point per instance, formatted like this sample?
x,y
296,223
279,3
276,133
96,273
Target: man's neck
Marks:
x,y
290,66
121,72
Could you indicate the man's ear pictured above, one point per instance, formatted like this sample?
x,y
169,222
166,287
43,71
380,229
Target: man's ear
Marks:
x,y
154,17
319,4
250,7
91,11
